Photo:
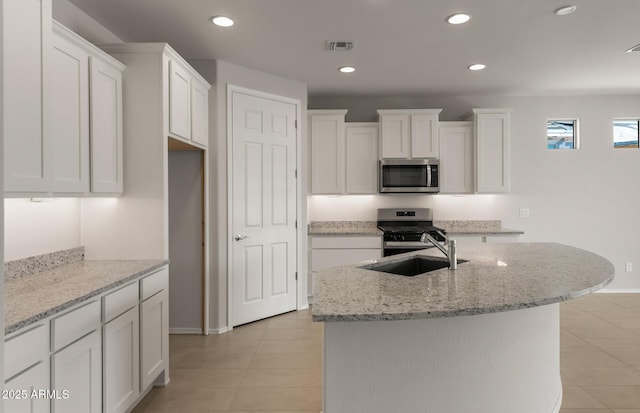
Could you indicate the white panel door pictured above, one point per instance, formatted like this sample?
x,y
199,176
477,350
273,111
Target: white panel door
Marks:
x,y
26,96
106,128
70,117
263,208
179,101
78,369
121,362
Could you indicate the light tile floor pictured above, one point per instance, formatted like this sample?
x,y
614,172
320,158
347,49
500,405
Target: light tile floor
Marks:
x,y
275,365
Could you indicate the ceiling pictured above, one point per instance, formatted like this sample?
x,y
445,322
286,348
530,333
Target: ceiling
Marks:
x,y
402,46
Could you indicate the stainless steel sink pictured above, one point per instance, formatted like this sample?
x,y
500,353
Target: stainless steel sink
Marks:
x,y
410,267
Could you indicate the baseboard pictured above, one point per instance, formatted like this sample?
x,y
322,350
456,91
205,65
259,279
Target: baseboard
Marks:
x,y
617,291
220,330
185,330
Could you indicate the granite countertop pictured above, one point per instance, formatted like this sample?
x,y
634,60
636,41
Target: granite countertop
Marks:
x,y
33,297
476,228
497,277
346,228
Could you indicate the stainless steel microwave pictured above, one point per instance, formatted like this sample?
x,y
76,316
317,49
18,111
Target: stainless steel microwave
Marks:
x,y
409,175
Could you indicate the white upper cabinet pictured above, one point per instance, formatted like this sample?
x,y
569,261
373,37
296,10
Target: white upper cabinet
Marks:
x,y
492,150
326,134
106,127
188,104
70,116
361,158
27,95
411,133
456,157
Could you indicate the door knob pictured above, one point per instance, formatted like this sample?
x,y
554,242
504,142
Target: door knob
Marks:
x,y
240,237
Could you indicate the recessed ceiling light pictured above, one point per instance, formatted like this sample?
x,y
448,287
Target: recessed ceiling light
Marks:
x,y
458,18
477,66
563,11
222,21
347,69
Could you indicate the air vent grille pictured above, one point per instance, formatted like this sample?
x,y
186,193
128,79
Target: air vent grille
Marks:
x,y
340,46
634,49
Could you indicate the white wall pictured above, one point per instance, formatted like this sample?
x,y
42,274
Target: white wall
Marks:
x,y
221,74
586,198
77,20
34,228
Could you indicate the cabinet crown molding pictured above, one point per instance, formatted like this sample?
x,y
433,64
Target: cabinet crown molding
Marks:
x,y
409,111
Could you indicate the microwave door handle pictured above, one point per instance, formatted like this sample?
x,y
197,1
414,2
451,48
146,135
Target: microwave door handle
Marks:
x,y
428,176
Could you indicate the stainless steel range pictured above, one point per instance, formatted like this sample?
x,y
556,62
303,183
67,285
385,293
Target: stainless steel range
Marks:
x,y
403,228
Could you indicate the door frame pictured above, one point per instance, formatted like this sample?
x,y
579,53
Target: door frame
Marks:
x,y
301,284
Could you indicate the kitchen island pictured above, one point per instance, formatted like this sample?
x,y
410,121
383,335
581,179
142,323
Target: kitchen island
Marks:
x,y
482,338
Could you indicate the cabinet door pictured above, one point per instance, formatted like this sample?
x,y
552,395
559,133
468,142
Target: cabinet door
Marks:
x,y
70,117
327,154
199,114
361,159
394,136
121,362
20,388
154,349
106,128
456,157
78,369
492,152
26,96
179,101
424,136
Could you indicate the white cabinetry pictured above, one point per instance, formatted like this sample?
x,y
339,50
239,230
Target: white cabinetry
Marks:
x,y
121,351
188,104
332,251
26,363
492,150
106,127
456,157
154,327
76,364
361,158
326,134
70,116
408,134
26,99
344,156
78,369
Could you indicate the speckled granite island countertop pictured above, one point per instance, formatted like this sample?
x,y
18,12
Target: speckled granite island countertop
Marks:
x,y
476,228
33,297
496,278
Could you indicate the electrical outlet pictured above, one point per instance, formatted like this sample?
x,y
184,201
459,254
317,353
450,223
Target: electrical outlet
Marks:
x,y
628,267
525,213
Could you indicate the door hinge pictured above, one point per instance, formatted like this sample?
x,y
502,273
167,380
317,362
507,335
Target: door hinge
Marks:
x,y
295,173
295,123
296,275
296,224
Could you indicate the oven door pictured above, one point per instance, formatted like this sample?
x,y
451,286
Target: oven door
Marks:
x,y
409,176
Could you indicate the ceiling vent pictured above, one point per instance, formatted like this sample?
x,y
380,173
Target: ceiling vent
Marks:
x,y
634,49
340,46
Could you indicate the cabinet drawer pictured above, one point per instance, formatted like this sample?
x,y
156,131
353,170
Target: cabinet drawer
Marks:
x,y
25,349
75,324
120,301
154,283
346,242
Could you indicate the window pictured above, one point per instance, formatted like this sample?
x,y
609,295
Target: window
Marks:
x,y
625,133
562,134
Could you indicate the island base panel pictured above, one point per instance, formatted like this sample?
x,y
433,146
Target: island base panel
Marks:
x,y
499,363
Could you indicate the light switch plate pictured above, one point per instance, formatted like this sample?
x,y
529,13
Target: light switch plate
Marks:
x,y
628,267
525,213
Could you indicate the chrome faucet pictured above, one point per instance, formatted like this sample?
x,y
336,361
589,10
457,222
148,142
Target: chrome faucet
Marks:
x,y
451,253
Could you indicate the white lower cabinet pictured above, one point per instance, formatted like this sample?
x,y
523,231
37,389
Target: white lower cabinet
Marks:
x,y
154,322
332,251
121,356
77,369
21,389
